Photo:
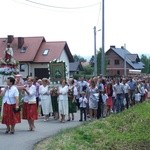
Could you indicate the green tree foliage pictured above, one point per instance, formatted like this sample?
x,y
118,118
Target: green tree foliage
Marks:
x,y
92,61
79,58
88,70
146,61
99,55
99,62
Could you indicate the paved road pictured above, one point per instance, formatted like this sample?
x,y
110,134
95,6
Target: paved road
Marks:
x,y
25,140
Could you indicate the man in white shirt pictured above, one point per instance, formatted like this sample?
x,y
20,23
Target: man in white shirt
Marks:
x,y
119,90
126,92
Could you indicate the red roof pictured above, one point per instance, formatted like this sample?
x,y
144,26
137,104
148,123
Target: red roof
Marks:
x,y
55,50
35,46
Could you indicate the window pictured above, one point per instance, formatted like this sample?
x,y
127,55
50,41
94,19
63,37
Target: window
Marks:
x,y
116,62
108,63
118,72
22,67
46,52
23,49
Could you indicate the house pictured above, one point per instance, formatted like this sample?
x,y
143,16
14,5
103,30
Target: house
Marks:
x,y
120,61
75,67
35,53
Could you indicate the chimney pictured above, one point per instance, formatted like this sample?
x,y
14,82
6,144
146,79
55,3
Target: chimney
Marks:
x,y
123,47
10,38
112,46
20,42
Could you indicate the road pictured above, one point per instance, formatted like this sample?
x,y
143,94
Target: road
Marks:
x,y
25,140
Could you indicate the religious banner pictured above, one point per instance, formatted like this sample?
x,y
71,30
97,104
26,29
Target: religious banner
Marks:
x,y
57,71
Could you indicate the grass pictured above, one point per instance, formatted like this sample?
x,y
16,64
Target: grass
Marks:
x,y
129,130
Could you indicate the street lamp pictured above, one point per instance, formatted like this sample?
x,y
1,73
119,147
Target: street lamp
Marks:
x,y
95,52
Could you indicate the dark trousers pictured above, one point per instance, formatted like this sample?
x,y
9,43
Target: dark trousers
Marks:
x,y
132,97
82,111
127,100
119,103
77,103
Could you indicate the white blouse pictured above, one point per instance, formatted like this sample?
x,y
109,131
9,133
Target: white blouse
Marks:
x,y
10,95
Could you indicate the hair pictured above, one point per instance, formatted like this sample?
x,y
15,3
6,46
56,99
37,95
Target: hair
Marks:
x,y
30,78
12,80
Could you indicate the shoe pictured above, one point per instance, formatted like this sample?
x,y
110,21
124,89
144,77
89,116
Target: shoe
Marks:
x,y
80,120
12,132
68,120
63,121
7,131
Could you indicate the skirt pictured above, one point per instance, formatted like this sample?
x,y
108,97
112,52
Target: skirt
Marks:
x,y
54,103
9,117
29,111
72,106
109,102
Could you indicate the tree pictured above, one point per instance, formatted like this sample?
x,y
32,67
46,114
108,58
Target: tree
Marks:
x,y
78,58
146,62
92,61
99,55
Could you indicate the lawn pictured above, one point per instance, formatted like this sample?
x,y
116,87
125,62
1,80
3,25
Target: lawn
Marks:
x,y
129,130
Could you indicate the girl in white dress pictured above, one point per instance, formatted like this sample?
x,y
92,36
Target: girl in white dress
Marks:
x,y
45,97
63,100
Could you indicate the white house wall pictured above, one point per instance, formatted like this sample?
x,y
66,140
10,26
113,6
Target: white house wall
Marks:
x,y
65,58
29,68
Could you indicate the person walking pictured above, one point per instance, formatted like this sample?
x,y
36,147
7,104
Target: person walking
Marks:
x,y
30,112
45,97
63,100
72,93
83,104
10,115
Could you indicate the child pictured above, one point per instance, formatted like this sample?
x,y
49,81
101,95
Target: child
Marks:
x,y
137,97
83,104
103,106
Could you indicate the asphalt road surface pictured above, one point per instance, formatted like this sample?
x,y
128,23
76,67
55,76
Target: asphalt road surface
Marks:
x,y
25,140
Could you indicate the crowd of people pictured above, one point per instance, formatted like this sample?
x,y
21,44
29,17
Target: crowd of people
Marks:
x,y
96,98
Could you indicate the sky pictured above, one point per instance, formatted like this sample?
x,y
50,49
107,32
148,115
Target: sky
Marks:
x,y
126,23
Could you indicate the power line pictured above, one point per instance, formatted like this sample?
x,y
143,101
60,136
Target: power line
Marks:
x,y
59,7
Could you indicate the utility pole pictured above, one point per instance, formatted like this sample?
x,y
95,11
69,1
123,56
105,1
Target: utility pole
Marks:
x,y
95,54
103,41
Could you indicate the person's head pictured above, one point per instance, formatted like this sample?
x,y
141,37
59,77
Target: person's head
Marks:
x,y
71,81
44,81
124,80
83,93
92,83
8,45
39,81
30,81
35,79
63,82
10,81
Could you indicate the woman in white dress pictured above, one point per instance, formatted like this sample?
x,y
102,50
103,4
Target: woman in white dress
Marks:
x,y
63,100
45,97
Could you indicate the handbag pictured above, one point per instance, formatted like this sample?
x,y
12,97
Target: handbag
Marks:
x,y
16,110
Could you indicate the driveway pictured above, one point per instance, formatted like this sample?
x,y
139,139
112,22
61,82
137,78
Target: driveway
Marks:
x,y
25,140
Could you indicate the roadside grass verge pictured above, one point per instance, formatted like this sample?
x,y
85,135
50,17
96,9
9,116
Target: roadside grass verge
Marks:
x,y
129,130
